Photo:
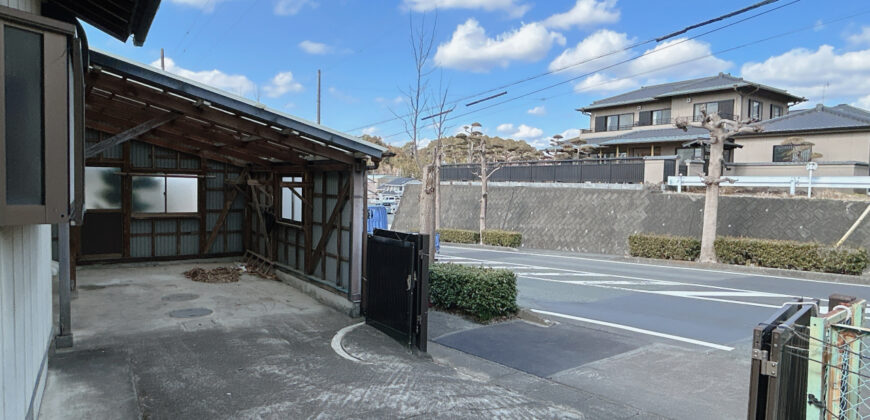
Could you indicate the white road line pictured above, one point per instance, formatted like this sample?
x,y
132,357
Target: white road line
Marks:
x,y
662,282
713,294
637,330
661,266
653,292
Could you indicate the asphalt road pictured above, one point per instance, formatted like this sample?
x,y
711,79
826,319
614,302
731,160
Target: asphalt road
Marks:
x,y
675,341
702,307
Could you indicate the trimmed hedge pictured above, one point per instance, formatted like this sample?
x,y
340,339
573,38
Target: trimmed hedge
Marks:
x,y
807,256
483,293
490,237
664,247
503,238
459,236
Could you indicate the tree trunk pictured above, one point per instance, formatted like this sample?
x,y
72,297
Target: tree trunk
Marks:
x,y
482,207
427,208
438,190
711,201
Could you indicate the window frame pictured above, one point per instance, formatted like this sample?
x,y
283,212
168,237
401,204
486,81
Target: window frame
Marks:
x,y
300,184
777,107
808,152
760,110
662,113
165,212
619,124
59,90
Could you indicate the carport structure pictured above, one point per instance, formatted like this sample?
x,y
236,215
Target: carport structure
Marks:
x,y
175,169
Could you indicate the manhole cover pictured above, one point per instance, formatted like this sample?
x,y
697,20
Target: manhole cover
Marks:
x,y
190,313
179,297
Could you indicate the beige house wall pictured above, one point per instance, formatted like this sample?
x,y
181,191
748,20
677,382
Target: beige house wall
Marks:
x,y
681,107
799,169
832,146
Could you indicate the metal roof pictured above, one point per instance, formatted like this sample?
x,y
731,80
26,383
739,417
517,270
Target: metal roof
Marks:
x,y
118,18
721,81
239,105
819,117
663,135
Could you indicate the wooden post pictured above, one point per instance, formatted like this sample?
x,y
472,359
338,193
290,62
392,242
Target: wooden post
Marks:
x,y
64,338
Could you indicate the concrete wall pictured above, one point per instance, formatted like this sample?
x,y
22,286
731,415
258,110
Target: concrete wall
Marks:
x,y
797,169
832,146
600,221
25,317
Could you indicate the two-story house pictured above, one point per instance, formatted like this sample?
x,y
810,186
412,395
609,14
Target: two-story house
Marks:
x,y
641,122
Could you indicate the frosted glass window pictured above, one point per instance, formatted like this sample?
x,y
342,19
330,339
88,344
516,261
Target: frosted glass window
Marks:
x,y
149,194
25,150
291,204
102,188
181,195
165,194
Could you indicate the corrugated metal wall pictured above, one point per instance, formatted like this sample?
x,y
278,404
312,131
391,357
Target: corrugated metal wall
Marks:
x,y
25,317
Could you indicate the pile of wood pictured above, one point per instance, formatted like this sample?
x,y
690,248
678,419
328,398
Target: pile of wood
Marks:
x,y
215,275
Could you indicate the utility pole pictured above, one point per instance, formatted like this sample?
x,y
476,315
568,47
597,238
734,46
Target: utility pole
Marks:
x,y
162,62
318,96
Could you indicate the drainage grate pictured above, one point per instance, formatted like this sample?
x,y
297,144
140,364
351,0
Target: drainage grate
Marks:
x,y
190,313
179,297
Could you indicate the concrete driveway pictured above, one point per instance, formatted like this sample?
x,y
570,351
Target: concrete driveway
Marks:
x,y
152,344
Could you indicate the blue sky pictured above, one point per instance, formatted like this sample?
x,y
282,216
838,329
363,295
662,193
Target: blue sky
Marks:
x,y
270,50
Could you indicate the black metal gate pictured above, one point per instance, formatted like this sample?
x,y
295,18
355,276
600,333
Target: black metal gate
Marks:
x,y
397,285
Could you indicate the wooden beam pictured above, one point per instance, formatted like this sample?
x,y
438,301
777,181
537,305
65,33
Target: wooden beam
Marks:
x,y
125,88
228,203
263,230
130,134
329,226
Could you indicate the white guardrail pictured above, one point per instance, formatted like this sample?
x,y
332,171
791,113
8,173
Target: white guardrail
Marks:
x,y
790,182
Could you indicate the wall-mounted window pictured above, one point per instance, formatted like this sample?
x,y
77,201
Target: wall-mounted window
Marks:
x,y
165,194
102,188
657,117
690,153
36,135
775,111
725,109
291,199
614,122
755,108
792,153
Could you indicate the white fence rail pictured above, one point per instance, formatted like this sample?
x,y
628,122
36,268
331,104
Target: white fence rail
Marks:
x,y
790,182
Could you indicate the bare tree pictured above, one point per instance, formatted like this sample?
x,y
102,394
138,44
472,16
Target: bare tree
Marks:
x,y
720,131
422,40
473,135
439,112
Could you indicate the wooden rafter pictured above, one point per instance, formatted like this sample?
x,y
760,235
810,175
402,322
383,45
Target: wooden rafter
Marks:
x,y
130,134
329,226
249,127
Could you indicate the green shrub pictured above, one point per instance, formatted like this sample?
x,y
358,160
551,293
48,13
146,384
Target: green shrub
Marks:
x,y
459,236
502,238
483,293
664,247
490,237
807,256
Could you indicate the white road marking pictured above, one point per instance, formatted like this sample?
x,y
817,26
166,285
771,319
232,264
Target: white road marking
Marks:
x,y
637,330
654,292
337,347
737,294
661,266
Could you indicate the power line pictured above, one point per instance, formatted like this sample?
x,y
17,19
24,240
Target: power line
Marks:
x,y
630,47
726,50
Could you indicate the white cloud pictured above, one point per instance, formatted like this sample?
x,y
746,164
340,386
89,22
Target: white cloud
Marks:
x,y
815,73
281,84
370,131
291,7
570,133
538,110
585,13
521,132
471,49
667,57
599,82
512,7
204,5
860,38
234,83
312,47
862,102
397,100
584,57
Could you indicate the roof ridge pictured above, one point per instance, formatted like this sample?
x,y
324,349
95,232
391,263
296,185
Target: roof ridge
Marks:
x,y
839,112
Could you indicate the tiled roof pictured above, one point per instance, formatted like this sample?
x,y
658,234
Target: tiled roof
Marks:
x,y
819,117
705,84
672,134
